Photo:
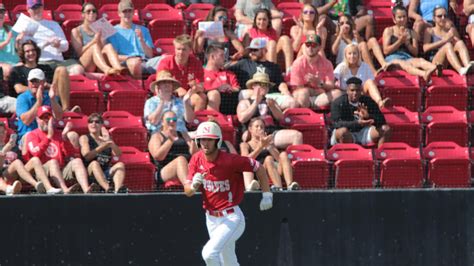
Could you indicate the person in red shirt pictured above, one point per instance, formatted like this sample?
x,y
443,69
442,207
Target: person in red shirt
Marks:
x,y
216,79
187,69
50,147
218,175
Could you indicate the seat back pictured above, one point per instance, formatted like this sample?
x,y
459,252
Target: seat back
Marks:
x,y
403,89
310,168
405,125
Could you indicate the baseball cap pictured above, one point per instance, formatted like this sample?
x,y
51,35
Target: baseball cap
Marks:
x,y
257,43
33,3
36,74
45,109
2,6
313,38
125,5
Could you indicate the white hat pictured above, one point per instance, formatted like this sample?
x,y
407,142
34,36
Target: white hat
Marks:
x,y
36,74
209,130
257,43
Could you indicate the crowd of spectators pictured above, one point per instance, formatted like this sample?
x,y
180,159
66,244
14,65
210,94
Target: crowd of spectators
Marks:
x,y
328,62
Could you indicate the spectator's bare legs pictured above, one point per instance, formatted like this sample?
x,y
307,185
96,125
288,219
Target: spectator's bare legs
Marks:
x,y
99,175
285,137
80,173
213,100
118,173
198,101
365,49
412,68
7,69
284,168
325,99
17,169
248,178
343,135
461,48
110,53
301,96
370,88
269,165
57,176
92,58
365,54
447,52
284,45
134,65
61,79
365,23
419,27
35,165
470,32
381,135
276,22
374,46
176,168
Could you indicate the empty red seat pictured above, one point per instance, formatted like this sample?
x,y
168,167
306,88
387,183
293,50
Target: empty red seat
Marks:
x,y
382,13
121,118
79,122
140,172
164,46
110,12
89,101
400,165
228,3
82,83
67,27
197,11
110,83
132,101
290,9
160,11
449,89
309,123
445,123
68,11
166,28
402,88
228,130
18,9
353,166
287,23
54,4
310,168
130,136
448,164
405,125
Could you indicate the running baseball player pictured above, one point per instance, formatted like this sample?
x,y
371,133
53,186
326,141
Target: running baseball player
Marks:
x,y
218,175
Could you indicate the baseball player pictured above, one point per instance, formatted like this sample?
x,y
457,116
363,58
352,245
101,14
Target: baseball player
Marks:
x,y
218,175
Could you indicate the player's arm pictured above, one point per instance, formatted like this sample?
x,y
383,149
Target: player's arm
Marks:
x,y
194,179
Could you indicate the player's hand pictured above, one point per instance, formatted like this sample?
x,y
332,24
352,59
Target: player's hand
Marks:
x,y
198,178
267,201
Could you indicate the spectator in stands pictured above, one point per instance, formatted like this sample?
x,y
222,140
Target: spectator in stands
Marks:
x,y
312,76
187,69
308,23
245,68
267,109
229,40
8,56
53,148
217,80
400,45
259,146
346,34
246,10
352,66
357,118
32,99
442,43
89,47
468,9
29,54
262,28
97,149
163,101
421,11
51,39
133,43
171,149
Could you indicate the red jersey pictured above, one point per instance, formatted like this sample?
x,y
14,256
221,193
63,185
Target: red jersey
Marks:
x,y
38,145
214,79
269,34
191,71
223,185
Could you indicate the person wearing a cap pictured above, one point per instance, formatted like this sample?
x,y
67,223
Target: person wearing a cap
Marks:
x,y
56,149
133,42
357,118
312,77
8,56
267,109
187,69
32,99
218,82
50,38
256,62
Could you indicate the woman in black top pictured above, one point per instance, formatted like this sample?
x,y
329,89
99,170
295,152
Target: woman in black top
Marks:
x,y
97,149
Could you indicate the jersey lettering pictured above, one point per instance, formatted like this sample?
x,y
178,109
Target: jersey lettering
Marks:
x,y
216,186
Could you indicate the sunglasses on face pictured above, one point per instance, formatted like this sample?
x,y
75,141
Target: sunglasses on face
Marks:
x,y
254,50
95,121
171,119
262,84
45,117
35,81
309,12
93,11
344,22
311,44
442,16
222,18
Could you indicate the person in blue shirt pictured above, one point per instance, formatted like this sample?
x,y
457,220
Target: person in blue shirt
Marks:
x,y
133,42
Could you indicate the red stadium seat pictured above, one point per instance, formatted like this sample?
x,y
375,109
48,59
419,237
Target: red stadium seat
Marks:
x,y
54,4
132,101
160,11
353,166
448,164
110,12
197,11
110,83
449,89
18,9
382,13
89,101
79,122
121,118
130,136
290,9
309,123
164,46
402,88
81,83
287,23
166,28
445,123
310,168
67,27
400,165
228,3
148,81
228,130
405,125
68,11
140,172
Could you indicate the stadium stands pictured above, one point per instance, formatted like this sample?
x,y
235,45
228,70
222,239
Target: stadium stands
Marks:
x,y
310,167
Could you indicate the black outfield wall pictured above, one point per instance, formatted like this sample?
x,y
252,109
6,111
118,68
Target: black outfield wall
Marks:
x,y
427,227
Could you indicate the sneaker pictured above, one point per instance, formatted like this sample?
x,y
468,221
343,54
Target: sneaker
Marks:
x,y
54,190
254,185
94,188
76,109
294,186
40,188
13,189
74,189
122,190
275,188
463,71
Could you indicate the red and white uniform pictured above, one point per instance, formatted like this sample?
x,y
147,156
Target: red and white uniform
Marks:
x,y
38,145
183,73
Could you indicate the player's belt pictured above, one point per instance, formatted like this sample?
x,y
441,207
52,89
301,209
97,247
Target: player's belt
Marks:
x,y
221,213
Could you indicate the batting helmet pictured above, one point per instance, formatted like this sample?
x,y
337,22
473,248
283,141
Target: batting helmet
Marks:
x,y
209,130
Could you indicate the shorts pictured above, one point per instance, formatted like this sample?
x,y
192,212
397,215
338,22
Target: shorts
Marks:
x,y
69,64
148,65
105,169
360,137
398,55
68,172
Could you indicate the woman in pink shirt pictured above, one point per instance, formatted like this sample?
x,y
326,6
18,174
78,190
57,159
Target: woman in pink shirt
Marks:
x,y
308,23
262,28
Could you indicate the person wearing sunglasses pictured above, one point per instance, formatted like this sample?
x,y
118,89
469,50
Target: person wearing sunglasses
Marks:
x,y
308,22
442,43
89,47
312,76
171,150
97,149
229,40
421,11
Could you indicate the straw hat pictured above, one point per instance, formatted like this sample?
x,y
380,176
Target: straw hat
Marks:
x,y
163,76
260,78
